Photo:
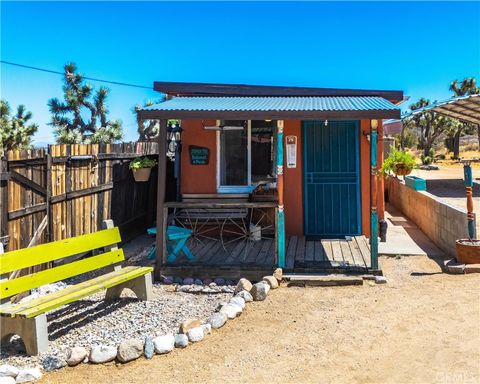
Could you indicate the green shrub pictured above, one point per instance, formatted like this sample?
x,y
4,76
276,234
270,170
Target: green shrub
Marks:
x,y
397,157
426,160
142,162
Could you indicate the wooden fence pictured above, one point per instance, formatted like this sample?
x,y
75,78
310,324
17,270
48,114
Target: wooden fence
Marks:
x,y
68,190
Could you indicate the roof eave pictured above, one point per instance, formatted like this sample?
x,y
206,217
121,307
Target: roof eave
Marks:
x,y
146,114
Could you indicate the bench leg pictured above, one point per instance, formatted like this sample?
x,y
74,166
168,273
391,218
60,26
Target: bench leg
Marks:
x,y
141,286
33,332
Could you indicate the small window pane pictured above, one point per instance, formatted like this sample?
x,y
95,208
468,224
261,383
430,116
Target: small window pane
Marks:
x,y
262,149
234,154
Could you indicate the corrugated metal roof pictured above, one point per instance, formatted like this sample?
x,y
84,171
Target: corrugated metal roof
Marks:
x,y
334,103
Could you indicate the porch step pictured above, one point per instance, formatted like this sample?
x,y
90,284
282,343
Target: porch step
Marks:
x,y
321,280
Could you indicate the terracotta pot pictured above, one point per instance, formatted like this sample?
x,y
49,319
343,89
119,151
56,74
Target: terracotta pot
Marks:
x,y
468,251
141,174
401,170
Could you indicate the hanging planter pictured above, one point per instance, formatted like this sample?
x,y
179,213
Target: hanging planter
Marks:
x,y
401,163
141,168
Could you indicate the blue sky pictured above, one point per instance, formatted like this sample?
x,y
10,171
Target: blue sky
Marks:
x,y
415,47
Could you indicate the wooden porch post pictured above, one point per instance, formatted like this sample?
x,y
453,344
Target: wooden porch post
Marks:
x,y
373,196
280,210
468,182
162,177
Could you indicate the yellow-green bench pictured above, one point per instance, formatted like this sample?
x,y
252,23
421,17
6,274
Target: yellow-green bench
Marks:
x,y
28,319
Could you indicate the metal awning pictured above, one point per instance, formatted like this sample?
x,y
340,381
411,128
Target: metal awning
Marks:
x,y
464,108
261,107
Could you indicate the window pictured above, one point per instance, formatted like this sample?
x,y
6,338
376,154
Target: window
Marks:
x,y
246,154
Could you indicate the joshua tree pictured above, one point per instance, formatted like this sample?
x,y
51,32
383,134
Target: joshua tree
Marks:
x,y
468,86
148,129
79,101
15,132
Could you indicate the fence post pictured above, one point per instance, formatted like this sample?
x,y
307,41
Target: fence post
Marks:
x,y
3,201
48,196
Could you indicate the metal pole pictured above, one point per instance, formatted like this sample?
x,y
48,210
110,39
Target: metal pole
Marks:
x,y
280,211
162,177
373,196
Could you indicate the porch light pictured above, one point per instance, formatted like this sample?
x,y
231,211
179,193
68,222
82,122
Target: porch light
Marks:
x,y
326,123
374,124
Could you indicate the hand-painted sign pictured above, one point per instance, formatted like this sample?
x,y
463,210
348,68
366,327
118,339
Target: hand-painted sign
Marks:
x,y
291,144
199,155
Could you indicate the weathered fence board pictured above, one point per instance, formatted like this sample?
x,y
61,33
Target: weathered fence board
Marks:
x,y
75,187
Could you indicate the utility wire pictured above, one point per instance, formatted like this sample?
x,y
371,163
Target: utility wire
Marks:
x,y
86,78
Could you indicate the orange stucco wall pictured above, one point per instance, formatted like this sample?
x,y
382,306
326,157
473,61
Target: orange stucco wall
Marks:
x,y
198,178
202,178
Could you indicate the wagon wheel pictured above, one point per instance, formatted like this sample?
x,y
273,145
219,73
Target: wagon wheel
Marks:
x,y
202,230
240,235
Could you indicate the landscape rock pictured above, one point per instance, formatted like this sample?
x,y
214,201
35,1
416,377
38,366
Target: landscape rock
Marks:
x,y
188,281
189,324
207,281
453,267
271,281
178,280
472,268
148,348
278,274
207,329
51,363
76,355
380,279
196,334
243,285
102,354
7,380
198,282
164,344
229,282
167,280
259,291
238,301
231,310
227,289
245,295
7,370
129,350
181,340
219,281
217,320
27,375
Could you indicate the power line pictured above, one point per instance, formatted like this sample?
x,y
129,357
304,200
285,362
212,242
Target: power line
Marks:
x,y
86,78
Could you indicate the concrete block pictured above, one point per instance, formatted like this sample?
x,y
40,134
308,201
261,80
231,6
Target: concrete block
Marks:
x,y
453,267
472,268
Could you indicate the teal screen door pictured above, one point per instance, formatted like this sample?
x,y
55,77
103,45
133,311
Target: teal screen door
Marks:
x,y
331,178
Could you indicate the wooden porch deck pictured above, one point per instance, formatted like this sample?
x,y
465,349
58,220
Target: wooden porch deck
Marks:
x,y
301,254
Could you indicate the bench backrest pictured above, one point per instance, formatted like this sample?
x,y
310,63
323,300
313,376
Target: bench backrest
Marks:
x,y
44,253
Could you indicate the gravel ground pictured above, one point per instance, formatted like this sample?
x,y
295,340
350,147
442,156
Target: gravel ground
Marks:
x,y
95,321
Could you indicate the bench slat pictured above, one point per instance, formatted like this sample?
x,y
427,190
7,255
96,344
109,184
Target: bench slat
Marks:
x,y
73,293
43,253
12,287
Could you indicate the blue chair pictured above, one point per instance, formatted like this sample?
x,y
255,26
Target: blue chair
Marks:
x,y
176,242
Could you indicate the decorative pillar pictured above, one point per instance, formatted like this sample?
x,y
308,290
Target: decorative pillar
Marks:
x,y
468,181
280,210
373,195
162,178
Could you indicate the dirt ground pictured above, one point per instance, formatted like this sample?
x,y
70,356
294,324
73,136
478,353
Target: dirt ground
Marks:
x,y
421,327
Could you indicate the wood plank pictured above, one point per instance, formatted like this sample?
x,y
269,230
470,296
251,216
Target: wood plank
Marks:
x,y
70,294
327,246
300,251
364,249
319,251
215,252
322,280
43,253
292,247
337,251
346,253
309,251
253,254
357,256
263,254
12,287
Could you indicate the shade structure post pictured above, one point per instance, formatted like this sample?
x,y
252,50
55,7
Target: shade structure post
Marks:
x,y
162,178
468,182
280,211
373,196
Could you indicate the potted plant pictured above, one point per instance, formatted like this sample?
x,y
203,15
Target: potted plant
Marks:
x,y
401,163
141,167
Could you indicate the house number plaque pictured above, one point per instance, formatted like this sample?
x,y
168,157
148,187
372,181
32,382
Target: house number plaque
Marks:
x,y
291,144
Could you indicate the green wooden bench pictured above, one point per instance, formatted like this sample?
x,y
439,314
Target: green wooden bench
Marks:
x,y
28,319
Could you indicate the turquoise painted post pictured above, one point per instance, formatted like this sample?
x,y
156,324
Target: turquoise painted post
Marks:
x,y
280,210
468,182
373,197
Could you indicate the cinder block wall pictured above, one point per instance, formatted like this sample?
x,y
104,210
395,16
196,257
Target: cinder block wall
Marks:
x,y
442,223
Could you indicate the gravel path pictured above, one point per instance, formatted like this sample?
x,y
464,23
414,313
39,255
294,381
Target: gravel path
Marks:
x,y
95,321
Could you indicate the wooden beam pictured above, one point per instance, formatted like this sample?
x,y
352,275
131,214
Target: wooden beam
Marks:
x,y
206,89
81,192
273,115
280,228
373,196
27,182
162,179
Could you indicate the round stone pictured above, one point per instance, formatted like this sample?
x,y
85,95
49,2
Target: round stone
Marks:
x,y
181,340
217,320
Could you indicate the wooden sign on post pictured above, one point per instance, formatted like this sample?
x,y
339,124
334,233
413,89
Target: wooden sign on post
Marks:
x,y
199,155
291,146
